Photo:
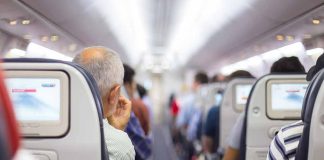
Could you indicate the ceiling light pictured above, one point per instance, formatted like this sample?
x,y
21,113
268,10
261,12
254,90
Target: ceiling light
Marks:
x,y
256,48
131,24
280,37
72,47
13,22
25,21
196,21
307,36
44,38
316,21
290,38
54,38
27,36
315,51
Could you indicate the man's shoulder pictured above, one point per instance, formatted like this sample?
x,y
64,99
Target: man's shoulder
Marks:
x,y
115,135
290,134
293,128
118,143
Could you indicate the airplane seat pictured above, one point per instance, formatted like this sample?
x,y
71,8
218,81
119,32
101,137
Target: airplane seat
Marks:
x,y
9,134
80,112
264,117
208,95
231,107
311,144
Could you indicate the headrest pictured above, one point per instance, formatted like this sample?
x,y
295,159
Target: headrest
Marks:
x,y
317,67
310,96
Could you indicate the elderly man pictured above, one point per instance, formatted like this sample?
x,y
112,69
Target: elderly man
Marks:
x,y
107,69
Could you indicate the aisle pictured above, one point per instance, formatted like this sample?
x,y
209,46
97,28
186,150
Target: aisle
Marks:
x,y
162,144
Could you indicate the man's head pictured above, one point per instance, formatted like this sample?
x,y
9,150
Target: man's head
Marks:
x,y
200,78
129,82
107,69
239,74
141,90
217,78
315,69
287,65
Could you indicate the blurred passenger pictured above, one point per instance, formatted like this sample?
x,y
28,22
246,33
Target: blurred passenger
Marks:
x,y
146,100
138,126
100,62
189,108
287,65
189,116
174,110
282,149
174,106
217,78
239,74
283,65
210,138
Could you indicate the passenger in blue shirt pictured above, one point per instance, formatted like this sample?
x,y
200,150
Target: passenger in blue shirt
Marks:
x,y
188,118
211,131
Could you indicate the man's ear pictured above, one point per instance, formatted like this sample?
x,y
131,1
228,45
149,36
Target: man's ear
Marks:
x,y
113,95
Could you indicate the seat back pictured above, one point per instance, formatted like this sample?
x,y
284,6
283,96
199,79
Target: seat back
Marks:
x,y
84,138
229,110
207,96
311,143
263,121
9,135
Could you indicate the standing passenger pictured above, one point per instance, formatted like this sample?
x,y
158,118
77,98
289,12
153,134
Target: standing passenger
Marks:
x,y
189,116
146,100
138,125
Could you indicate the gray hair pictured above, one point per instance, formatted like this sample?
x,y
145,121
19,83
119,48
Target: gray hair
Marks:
x,y
107,69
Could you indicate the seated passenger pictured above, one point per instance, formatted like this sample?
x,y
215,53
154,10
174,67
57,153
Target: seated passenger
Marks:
x,y
210,131
287,65
211,125
138,125
282,148
283,65
107,69
217,78
232,152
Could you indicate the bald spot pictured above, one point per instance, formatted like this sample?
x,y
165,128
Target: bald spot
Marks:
x,y
92,53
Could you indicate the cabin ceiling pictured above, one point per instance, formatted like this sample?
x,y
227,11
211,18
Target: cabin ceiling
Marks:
x,y
99,22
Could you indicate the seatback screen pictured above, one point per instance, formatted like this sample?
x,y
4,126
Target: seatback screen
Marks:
x,y
35,99
242,92
287,96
